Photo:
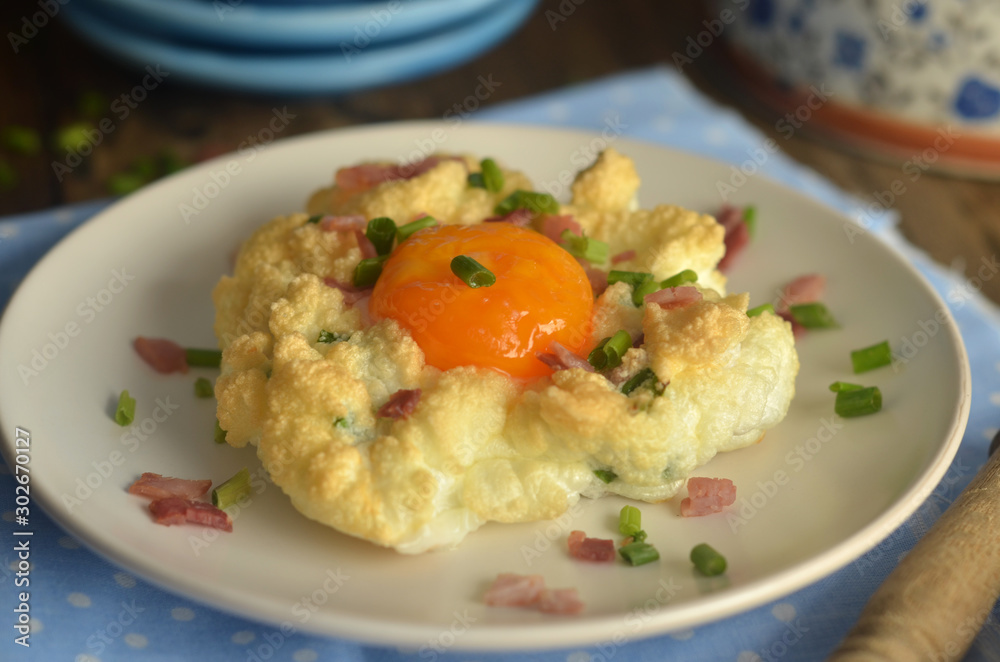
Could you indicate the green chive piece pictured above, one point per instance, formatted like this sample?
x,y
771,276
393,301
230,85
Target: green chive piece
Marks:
x,y
220,434
633,278
92,104
640,378
72,137
203,358
750,218
639,294
537,203
639,536
869,358
123,183
813,316
327,337
606,475
616,347
754,312
838,387
471,272
315,219
233,490
145,167
403,232
368,271
170,162
125,411
203,388
592,250
707,561
8,176
21,139
858,402
684,277
476,180
597,357
639,553
492,176
341,422
629,521
381,232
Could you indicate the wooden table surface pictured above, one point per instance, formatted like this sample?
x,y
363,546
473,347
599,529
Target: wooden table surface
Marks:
x,y
957,221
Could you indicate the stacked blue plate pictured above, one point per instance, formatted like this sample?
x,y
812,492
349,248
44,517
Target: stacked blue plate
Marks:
x,y
296,46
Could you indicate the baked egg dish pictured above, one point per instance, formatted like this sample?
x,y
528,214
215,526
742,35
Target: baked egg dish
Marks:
x,y
421,350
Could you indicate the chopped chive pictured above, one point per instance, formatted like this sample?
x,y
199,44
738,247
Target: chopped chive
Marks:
x,y
639,294
203,358
233,490
639,553
341,422
220,434
686,276
597,357
858,402
92,104
8,176
315,219
639,536
70,138
606,475
616,347
629,520
492,176
537,203
633,278
813,316
476,180
471,272
327,337
170,162
21,139
125,411
750,218
123,183
203,388
368,271
838,387
707,561
403,232
640,378
381,232
754,312
869,358
144,167
592,250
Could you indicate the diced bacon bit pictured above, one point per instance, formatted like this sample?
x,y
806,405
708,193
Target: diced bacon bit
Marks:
x,y
707,496
164,356
624,256
729,217
559,601
560,358
590,549
350,223
674,297
808,288
510,590
518,217
156,486
401,404
351,294
797,329
367,175
639,340
178,510
598,278
365,244
735,240
553,227
361,305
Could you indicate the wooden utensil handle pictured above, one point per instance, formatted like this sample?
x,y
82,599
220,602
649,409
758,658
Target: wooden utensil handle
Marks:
x,y
933,604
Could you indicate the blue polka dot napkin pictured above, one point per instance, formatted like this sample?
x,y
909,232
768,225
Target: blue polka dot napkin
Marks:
x,y
85,609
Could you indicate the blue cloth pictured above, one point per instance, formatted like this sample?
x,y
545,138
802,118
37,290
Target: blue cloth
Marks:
x,y
86,609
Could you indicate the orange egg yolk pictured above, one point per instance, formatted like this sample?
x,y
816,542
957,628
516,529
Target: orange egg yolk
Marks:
x,y
541,295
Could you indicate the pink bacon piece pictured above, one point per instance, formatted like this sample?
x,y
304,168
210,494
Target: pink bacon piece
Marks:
x,y
808,288
164,356
554,226
707,496
348,223
518,217
351,294
598,278
624,256
178,510
674,297
559,601
560,358
401,404
156,486
365,176
737,234
511,590
590,549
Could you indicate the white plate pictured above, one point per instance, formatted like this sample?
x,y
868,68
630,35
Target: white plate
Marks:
x,y
837,497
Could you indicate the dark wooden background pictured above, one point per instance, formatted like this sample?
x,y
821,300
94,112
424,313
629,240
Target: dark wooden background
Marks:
x,y
957,221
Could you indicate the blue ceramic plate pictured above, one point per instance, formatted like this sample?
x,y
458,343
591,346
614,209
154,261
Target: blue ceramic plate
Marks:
x,y
241,24
322,73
